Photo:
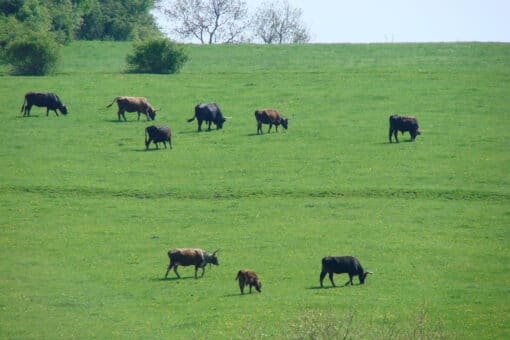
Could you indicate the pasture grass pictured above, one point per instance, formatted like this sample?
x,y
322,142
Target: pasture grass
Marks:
x,y
87,215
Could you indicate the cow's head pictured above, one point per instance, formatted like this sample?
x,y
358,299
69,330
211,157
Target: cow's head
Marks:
x,y
213,258
152,113
219,121
63,109
363,276
285,123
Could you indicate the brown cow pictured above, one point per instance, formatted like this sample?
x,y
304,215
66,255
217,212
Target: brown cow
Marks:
x,y
403,124
190,257
271,117
248,277
134,104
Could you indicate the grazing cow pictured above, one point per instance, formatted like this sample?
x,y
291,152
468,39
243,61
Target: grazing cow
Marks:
x,y
271,117
210,113
403,124
157,134
190,257
248,277
134,104
42,99
340,265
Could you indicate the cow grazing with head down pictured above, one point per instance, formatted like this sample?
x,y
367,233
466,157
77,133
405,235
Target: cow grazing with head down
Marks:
x,y
210,113
190,257
271,117
157,134
340,265
134,104
248,278
42,99
403,124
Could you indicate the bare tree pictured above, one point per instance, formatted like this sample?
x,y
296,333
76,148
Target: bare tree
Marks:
x,y
277,22
209,21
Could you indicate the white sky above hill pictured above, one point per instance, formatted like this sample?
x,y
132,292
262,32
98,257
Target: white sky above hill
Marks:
x,y
367,21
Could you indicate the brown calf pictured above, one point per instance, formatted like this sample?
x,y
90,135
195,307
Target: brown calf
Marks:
x,y
248,277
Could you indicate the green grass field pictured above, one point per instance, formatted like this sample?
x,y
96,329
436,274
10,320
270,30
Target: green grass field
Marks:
x,y
87,215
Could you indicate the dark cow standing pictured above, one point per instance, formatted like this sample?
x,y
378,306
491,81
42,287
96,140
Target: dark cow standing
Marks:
x,y
340,265
43,99
134,104
248,278
403,124
271,117
210,113
158,134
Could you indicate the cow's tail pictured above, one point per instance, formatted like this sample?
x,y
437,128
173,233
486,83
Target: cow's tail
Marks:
x,y
146,139
238,274
23,106
191,119
112,103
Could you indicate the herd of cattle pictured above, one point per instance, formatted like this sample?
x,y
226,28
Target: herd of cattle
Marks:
x,y
200,258
209,113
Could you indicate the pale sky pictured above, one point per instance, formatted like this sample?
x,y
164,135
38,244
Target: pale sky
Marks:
x,y
366,21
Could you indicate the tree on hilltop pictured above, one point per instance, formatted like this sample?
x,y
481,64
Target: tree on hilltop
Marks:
x,y
208,21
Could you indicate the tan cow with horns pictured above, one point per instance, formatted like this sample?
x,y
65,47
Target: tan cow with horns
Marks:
x,y
190,257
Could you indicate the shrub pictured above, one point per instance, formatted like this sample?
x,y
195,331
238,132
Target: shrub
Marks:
x,y
32,54
157,56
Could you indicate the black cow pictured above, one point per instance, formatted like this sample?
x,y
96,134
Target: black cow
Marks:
x,y
210,113
157,134
42,99
403,124
340,265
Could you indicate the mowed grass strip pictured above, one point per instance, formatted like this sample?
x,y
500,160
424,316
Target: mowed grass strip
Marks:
x,y
87,215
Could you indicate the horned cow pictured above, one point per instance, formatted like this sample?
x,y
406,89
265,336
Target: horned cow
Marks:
x,y
340,265
271,117
403,124
190,257
157,134
248,278
210,113
134,104
42,99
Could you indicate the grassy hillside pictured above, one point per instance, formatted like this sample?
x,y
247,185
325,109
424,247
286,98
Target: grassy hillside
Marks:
x,y
87,215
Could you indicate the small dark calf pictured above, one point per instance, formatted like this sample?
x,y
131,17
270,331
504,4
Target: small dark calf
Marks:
x,y
403,124
42,99
340,265
248,277
158,134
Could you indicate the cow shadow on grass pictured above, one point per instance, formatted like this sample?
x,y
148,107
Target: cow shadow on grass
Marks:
x,y
325,287
164,279
23,117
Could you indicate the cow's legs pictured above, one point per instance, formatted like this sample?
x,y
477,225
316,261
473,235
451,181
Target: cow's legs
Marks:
x,y
56,112
350,280
323,274
391,132
331,279
270,126
199,124
209,125
27,110
47,111
168,269
176,273
396,135
259,128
